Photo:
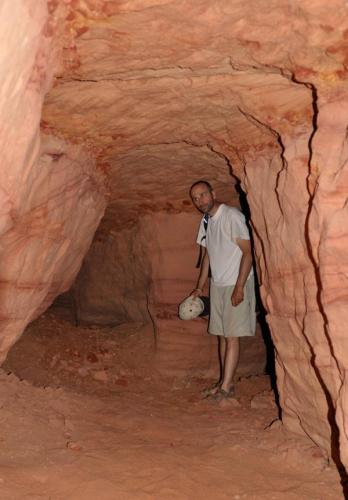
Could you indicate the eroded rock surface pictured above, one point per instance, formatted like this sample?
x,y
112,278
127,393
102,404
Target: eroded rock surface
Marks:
x,y
52,197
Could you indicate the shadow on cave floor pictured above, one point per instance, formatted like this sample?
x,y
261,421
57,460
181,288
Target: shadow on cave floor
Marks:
x,y
87,359
90,420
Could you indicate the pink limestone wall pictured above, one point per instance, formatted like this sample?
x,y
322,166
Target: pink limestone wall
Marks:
x,y
52,197
297,193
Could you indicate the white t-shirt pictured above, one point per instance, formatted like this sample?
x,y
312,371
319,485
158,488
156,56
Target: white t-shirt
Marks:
x,y
223,229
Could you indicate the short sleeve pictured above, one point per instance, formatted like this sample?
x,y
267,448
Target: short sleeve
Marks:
x,y
201,235
237,225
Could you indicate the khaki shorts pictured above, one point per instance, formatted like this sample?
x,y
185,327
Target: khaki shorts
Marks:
x,y
228,320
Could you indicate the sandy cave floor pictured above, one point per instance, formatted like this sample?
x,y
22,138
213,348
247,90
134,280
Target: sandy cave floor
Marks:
x,y
83,417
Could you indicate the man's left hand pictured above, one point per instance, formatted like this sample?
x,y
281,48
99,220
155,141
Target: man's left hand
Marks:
x,y
237,296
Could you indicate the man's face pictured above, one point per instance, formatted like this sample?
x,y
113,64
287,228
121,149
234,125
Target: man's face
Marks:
x,y
202,198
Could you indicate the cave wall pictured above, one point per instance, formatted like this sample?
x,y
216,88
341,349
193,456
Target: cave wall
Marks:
x,y
328,238
297,192
52,196
112,285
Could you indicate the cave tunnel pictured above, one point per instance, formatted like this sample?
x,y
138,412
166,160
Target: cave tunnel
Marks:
x,y
110,110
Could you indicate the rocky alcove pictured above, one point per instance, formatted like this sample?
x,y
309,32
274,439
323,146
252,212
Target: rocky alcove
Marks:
x,y
110,110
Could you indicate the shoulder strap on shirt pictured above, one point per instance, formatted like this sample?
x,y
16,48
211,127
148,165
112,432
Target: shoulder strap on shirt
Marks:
x,y
205,225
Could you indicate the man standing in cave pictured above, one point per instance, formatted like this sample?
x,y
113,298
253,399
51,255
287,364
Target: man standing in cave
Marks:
x,y
225,242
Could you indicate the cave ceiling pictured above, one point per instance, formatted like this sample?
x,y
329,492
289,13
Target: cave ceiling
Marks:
x,y
152,88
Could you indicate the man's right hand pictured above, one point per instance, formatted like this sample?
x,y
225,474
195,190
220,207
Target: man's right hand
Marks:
x,y
196,292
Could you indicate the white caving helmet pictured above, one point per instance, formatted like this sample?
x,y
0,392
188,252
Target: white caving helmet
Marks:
x,y
191,308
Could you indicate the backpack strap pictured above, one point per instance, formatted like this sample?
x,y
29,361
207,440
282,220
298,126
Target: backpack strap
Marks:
x,y
205,225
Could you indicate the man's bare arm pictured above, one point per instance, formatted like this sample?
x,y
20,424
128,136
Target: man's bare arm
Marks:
x,y
244,270
203,274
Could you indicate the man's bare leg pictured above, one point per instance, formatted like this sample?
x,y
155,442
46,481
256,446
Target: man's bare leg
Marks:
x,y
230,362
222,352
214,389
